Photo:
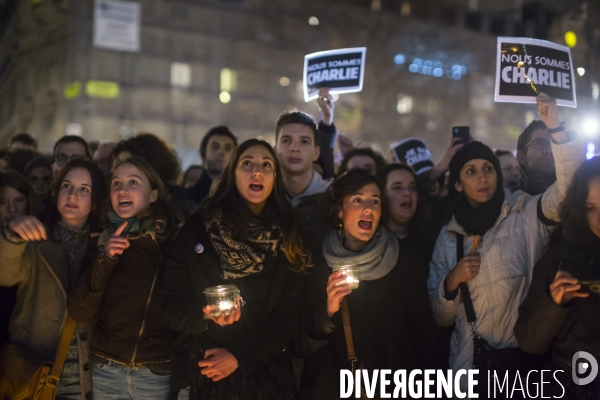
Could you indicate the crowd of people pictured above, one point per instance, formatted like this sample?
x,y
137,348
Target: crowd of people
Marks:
x,y
117,238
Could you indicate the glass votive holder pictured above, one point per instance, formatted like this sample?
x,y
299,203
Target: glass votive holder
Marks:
x,y
352,275
222,299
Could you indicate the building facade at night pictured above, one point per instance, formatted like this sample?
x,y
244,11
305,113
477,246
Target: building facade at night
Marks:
x,y
239,62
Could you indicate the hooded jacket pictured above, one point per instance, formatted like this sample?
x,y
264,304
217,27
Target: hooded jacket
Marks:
x,y
316,185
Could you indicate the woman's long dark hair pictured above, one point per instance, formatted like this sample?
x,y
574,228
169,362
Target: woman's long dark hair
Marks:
x,y
21,185
99,193
421,224
572,210
349,184
161,212
278,210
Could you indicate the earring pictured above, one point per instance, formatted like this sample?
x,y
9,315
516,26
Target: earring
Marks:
x,y
341,232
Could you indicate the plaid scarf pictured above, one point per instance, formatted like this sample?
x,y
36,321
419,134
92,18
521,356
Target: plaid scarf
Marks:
x,y
249,256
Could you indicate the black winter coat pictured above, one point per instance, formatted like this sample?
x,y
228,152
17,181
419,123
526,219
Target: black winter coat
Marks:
x,y
392,326
315,221
267,324
568,329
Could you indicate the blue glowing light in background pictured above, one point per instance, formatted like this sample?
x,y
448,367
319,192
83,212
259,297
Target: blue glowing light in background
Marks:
x,y
399,59
432,68
591,150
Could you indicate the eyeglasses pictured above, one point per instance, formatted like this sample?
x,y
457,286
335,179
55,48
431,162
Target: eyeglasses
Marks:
x,y
509,169
539,144
62,159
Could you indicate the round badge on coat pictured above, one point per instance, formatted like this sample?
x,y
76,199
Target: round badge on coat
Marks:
x,y
199,248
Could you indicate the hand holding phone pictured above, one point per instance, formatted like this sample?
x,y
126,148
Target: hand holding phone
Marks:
x,y
462,132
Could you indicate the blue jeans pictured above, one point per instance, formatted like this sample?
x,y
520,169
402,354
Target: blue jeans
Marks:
x,y
68,387
117,382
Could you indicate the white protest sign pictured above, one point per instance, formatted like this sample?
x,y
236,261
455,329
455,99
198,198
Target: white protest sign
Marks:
x,y
523,64
117,25
340,70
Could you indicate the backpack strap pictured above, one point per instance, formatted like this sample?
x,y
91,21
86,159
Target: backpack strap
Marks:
x,y
345,311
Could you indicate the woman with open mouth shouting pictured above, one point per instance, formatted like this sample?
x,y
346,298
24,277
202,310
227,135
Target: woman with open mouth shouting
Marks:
x,y
392,326
44,261
246,234
131,343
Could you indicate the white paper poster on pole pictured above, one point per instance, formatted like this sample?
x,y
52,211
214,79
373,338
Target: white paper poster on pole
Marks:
x,y
340,70
117,25
524,65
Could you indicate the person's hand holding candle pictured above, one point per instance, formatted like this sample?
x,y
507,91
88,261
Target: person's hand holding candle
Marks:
x,y
336,291
223,318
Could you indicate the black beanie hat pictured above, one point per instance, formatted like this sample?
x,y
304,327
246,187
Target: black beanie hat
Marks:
x,y
471,151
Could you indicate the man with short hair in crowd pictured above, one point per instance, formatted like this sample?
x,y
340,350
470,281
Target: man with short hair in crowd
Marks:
x,y
534,155
23,141
510,169
68,148
216,149
298,140
102,156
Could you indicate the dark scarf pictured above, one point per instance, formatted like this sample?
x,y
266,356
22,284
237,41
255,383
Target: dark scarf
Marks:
x,y
133,224
479,220
242,258
73,243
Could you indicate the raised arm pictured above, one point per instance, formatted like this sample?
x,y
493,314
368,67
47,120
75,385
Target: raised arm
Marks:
x,y
568,153
327,132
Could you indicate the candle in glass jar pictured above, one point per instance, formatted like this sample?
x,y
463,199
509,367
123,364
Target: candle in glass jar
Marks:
x,y
222,299
225,307
352,276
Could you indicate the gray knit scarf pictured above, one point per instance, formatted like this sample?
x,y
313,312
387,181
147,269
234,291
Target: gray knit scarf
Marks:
x,y
374,261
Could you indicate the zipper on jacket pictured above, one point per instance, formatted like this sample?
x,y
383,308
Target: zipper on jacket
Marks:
x,y
146,310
